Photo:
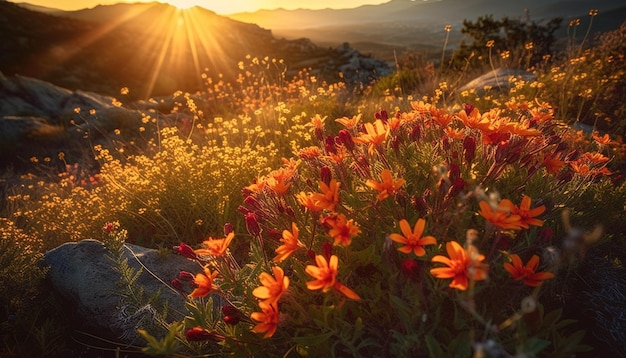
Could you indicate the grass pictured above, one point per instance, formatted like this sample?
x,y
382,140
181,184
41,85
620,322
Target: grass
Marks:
x,y
182,183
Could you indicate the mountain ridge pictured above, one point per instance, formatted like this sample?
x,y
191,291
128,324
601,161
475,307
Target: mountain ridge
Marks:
x,y
153,49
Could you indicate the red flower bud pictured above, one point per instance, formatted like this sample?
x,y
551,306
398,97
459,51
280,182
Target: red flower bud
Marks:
x,y
468,108
228,228
454,172
185,276
326,175
251,202
410,268
200,334
416,133
252,224
382,115
311,255
186,251
327,250
469,149
274,234
345,138
177,285
329,145
232,320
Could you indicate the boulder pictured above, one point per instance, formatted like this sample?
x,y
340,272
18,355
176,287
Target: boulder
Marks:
x,y
498,79
82,274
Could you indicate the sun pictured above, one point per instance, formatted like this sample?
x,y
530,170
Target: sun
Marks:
x,y
220,7
183,4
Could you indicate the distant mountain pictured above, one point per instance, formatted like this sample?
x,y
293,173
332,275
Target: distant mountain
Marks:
x,y
151,48
411,24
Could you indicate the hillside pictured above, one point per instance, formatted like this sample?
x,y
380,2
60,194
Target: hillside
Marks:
x,y
153,49
407,25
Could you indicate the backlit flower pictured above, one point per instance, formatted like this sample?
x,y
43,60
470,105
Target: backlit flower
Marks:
x,y
604,140
290,244
412,239
268,319
349,122
553,164
463,265
375,135
341,230
527,273
203,283
596,157
501,216
215,247
328,197
325,274
307,200
473,119
273,286
526,214
387,186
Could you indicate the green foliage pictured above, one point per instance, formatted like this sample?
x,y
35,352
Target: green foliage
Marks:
x,y
526,40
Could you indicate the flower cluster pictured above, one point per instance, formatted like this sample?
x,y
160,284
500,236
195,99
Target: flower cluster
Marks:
x,y
388,218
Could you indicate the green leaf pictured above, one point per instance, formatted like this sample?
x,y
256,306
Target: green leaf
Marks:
x,y
314,340
535,345
434,349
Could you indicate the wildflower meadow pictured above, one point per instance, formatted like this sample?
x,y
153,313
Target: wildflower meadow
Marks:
x,y
334,221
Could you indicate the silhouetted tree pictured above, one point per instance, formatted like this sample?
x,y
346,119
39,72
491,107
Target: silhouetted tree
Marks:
x,y
520,37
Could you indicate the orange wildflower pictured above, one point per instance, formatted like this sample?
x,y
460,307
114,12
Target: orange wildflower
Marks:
x,y
375,135
412,239
441,116
387,186
454,133
596,157
349,122
527,273
541,114
325,274
473,119
604,140
341,230
501,217
215,247
268,319
317,121
203,282
462,265
273,286
522,130
308,201
278,180
290,244
310,153
552,164
258,186
526,214
328,197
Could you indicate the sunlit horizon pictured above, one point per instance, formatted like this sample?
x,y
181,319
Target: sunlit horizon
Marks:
x,y
220,7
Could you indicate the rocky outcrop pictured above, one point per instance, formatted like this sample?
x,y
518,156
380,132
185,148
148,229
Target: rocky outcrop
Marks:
x,y
498,80
83,276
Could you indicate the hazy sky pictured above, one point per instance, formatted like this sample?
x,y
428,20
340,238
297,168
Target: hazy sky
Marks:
x,y
219,6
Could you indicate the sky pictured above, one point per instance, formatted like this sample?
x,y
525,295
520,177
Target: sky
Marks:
x,y
220,6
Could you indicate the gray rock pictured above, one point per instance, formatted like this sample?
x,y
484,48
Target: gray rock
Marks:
x,y
497,79
82,274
